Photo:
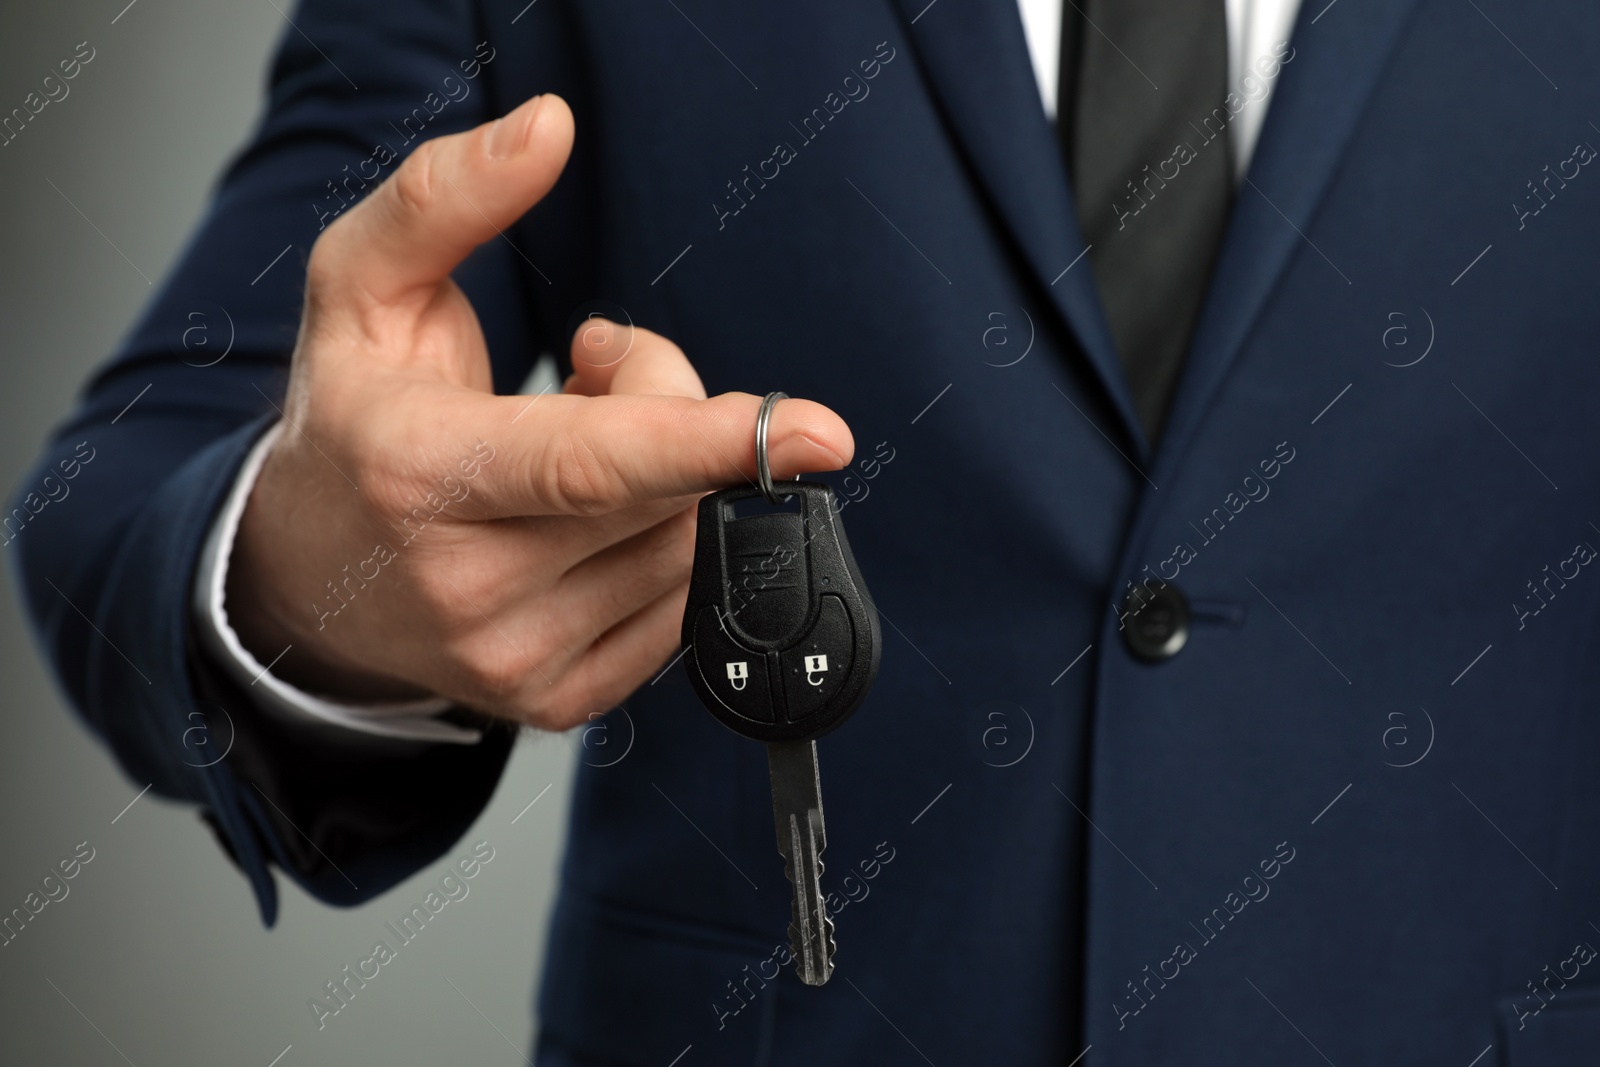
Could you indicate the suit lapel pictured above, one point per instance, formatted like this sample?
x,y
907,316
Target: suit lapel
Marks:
x,y
1319,96
976,58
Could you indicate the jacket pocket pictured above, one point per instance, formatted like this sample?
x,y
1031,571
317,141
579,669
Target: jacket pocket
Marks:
x,y
1562,1032
627,987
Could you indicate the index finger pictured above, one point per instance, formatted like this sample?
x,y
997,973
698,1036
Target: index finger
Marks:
x,y
592,455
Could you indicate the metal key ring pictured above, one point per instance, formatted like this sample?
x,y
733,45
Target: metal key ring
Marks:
x,y
763,470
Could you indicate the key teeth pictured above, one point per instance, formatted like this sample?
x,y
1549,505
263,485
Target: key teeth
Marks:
x,y
797,942
798,948
824,970
797,811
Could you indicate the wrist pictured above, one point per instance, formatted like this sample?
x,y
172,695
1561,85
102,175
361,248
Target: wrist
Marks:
x,y
289,634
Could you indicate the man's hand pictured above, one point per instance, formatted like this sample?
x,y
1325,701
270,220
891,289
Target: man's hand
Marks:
x,y
413,534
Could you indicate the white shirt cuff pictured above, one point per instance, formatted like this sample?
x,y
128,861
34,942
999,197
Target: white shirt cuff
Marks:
x,y
412,720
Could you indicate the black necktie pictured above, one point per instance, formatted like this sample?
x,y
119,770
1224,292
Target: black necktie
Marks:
x,y
1145,129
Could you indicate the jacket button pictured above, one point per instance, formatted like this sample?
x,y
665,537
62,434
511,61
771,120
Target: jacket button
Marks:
x,y
1156,624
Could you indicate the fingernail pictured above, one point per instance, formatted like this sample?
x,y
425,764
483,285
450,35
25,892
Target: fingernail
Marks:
x,y
801,438
510,134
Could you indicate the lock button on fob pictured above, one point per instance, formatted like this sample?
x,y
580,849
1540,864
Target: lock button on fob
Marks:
x,y
735,675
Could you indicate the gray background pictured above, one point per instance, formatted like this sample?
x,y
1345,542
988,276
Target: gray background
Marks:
x,y
159,944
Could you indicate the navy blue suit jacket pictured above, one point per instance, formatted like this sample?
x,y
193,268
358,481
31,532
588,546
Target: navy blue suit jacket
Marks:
x,y
1351,817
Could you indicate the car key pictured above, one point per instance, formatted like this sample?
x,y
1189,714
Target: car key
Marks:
x,y
783,644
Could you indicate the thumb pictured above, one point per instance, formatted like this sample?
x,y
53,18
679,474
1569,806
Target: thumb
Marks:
x,y
450,195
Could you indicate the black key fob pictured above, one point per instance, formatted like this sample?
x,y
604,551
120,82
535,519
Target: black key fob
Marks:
x,y
783,640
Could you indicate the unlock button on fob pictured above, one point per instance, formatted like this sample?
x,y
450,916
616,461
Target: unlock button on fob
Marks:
x,y
736,675
816,668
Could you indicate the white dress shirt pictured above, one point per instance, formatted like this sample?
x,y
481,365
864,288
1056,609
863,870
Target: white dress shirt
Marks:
x,y
1255,29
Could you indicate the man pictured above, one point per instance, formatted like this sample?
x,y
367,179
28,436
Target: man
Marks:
x,y
1202,469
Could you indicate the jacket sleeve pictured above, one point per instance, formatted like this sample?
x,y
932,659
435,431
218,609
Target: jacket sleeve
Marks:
x,y
105,533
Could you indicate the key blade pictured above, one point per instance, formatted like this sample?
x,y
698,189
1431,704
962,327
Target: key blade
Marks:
x,y
802,837
810,928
